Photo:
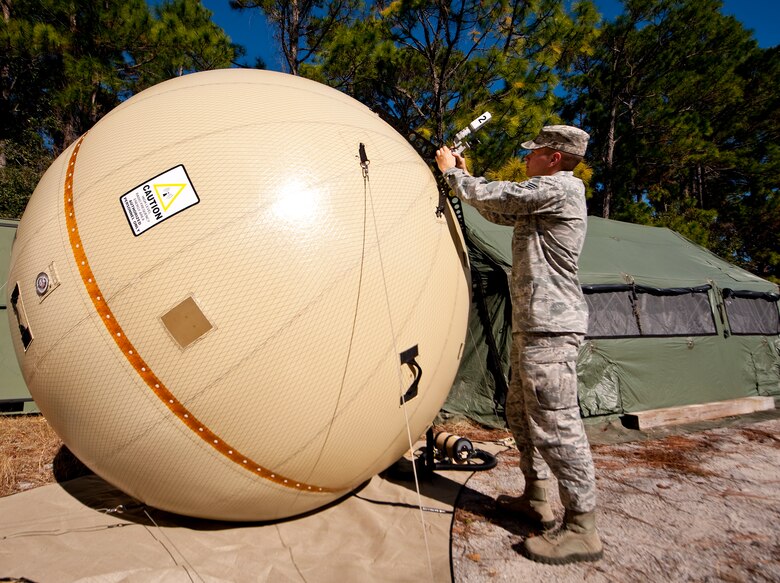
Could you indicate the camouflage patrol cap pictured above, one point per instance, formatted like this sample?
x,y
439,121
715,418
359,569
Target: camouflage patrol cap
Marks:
x,y
564,138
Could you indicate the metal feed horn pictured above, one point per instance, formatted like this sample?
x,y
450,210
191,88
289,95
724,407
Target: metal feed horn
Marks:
x,y
460,144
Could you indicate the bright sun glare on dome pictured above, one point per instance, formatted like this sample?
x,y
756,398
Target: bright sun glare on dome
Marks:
x,y
297,203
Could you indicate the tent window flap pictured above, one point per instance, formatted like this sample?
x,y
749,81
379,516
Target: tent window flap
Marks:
x,y
752,313
635,311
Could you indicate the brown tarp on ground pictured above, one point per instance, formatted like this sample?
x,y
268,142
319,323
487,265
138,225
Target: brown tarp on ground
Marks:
x,y
71,532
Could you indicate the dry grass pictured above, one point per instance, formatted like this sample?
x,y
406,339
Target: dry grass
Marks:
x,y
32,455
28,446
472,430
684,455
760,436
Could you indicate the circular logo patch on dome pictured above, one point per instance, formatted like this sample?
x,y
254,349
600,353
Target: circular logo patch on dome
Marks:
x,y
42,283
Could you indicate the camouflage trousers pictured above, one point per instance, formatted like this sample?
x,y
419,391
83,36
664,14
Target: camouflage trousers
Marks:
x,y
544,416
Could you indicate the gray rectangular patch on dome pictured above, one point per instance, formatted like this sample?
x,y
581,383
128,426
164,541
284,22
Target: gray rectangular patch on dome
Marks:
x,y
186,322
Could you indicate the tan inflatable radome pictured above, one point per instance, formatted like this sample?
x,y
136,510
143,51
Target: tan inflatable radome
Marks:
x,y
226,294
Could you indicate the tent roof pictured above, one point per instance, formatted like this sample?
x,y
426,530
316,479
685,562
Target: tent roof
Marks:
x,y
619,253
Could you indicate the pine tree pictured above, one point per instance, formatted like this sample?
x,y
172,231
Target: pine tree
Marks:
x,y
66,63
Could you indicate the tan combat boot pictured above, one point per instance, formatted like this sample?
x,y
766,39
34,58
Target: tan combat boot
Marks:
x,y
577,540
532,505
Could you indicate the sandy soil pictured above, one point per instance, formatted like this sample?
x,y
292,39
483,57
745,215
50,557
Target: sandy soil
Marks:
x,y
691,504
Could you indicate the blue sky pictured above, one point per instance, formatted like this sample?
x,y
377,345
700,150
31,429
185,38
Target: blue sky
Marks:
x,y
248,28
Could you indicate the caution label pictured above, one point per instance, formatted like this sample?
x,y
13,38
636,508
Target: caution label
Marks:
x,y
160,198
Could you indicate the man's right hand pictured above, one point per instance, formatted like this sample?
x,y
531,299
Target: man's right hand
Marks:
x,y
446,159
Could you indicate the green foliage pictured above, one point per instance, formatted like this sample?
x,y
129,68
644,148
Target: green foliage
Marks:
x,y
301,27
429,68
513,170
26,160
682,109
183,39
693,223
65,64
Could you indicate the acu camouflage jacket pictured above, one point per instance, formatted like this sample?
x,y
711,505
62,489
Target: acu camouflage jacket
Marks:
x,y
548,214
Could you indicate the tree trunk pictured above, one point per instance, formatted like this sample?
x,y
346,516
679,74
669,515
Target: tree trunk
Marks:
x,y
6,4
609,161
291,22
700,184
69,133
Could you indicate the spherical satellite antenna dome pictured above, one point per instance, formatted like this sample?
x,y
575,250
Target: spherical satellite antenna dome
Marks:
x,y
220,294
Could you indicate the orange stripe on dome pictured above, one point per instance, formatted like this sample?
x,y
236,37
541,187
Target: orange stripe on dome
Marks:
x,y
140,365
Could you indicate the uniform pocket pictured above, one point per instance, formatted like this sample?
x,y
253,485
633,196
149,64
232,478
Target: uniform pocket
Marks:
x,y
554,384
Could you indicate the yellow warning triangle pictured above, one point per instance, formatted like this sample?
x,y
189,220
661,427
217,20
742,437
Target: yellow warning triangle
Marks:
x,y
167,193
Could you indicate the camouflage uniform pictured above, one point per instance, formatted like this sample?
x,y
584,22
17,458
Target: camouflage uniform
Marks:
x,y
549,320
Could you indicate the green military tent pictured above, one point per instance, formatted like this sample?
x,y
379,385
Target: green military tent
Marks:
x,y
14,397
670,323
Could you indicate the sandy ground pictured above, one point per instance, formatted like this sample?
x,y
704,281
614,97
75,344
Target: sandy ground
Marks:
x,y
698,503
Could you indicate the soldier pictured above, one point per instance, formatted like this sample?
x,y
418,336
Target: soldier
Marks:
x,y
549,321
